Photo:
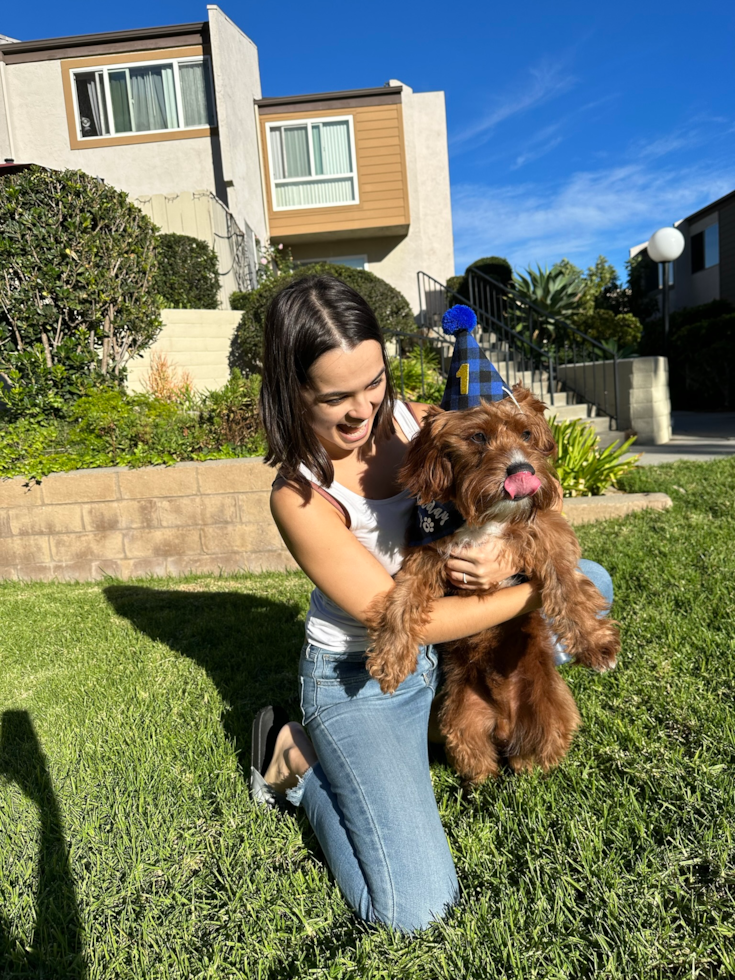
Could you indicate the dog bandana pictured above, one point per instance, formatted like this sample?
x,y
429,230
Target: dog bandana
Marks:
x,y
432,522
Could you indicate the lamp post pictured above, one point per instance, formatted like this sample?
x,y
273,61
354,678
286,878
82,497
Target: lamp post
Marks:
x,y
664,246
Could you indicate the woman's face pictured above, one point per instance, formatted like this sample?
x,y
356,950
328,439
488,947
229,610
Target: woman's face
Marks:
x,y
347,388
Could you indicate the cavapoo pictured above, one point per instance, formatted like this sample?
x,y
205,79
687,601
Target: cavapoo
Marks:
x,y
503,694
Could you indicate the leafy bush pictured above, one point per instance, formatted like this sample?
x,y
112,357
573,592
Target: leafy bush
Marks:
x,y
77,290
430,387
390,306
111,428
583,469
231,414
604,325
494,266
701,354
187,276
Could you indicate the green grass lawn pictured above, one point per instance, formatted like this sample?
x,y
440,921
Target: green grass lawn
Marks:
x,y
129,848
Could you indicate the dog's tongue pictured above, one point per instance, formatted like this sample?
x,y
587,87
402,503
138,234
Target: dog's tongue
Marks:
x,y
522,484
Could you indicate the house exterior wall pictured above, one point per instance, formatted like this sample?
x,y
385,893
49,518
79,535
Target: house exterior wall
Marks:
x,y
381,178
223,160
727,252
427,245
38,114
6,142
237,85
202,215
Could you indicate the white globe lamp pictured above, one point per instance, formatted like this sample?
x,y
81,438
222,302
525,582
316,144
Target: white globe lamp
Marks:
x,y
664,246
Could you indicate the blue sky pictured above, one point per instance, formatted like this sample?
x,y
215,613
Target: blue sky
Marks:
x,y
575,129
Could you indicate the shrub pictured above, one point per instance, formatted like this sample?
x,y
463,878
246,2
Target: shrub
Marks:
x,y
604,325
583,469
230,415
187,276
77,290
109,427
390,306
430,387
493,266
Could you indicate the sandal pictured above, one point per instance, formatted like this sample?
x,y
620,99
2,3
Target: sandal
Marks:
x,y
266,725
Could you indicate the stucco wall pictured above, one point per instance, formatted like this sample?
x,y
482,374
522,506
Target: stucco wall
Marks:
x,y
197,341
6,147
200,214
428,246
41,135
193,517
237,84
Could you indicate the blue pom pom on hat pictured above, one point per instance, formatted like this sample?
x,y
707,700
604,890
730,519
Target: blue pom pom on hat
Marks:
x,y
472,378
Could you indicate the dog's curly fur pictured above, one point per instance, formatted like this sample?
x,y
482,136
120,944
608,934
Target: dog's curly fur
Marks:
x,y
503,694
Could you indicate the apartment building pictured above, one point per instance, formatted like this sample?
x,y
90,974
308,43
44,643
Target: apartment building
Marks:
x,y
175,116
705,271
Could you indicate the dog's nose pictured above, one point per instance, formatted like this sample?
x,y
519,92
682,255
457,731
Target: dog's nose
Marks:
x,y
520,468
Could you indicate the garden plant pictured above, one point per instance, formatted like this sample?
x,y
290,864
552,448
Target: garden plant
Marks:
x,y
129,848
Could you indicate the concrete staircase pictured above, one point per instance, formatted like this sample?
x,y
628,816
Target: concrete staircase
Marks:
x,y
567,404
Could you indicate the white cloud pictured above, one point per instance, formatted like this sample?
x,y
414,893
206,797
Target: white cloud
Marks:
x,y
603,211
547,81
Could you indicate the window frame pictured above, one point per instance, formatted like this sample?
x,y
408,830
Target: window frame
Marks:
x,y
121,66
309,122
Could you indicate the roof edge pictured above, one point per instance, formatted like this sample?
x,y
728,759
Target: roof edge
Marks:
x,y
82,40
354,93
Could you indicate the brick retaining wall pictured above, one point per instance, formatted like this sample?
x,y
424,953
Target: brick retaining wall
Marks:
x,y
192,517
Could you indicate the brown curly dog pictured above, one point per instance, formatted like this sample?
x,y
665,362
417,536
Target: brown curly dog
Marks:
x,y
503,694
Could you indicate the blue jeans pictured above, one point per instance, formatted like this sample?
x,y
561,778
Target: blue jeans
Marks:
x,y
369,799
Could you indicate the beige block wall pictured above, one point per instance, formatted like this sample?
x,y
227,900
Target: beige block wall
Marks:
x,y
192,517
197,341
643,389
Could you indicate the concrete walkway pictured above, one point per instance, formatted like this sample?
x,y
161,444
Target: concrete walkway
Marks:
x,y
697,436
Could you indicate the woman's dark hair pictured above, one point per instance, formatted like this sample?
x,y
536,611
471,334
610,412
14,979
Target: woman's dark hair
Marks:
x,y
311,316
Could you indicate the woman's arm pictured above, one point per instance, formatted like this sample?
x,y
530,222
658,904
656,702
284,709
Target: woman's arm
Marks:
x,y
344,570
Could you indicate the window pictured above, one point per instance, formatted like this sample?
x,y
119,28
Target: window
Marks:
x,y
706,248
312,163
143,97
353,261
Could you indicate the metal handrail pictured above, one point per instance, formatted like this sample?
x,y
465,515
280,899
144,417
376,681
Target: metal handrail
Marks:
x,y
567,355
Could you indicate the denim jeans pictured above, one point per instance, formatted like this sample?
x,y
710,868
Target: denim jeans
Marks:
x,y
369,799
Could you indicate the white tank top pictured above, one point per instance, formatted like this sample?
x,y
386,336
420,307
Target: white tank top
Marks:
x,y
379,525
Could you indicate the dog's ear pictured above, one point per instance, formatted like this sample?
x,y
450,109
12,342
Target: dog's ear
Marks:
x,y
427,473
543,438
528,400
533,408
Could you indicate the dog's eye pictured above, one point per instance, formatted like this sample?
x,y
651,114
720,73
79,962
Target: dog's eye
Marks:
x,y
479,437
526,435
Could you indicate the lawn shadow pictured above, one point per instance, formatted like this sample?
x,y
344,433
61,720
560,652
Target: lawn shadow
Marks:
x,y
56,949
249,646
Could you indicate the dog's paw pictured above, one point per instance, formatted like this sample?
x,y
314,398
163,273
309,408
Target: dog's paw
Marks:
x,y
383,670
601,653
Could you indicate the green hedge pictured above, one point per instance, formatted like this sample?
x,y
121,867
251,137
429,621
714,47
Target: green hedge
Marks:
x,y
187,277
78,285
390,306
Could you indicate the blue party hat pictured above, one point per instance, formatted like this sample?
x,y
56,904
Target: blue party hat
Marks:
x,y
472,378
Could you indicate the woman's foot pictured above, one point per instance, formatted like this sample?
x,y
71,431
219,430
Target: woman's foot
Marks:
x,y
293,756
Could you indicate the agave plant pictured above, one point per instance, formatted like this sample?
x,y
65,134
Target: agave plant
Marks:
x,y
552,291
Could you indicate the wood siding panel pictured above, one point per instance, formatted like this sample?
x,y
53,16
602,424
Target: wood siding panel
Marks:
x,y
381,176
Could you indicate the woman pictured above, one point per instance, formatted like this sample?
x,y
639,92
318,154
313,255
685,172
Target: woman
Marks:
x,y
362,772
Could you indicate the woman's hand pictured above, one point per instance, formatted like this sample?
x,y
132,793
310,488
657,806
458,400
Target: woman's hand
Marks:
x,y
486,565
481,567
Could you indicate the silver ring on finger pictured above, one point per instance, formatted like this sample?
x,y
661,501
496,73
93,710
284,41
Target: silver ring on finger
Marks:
x,y
464,577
